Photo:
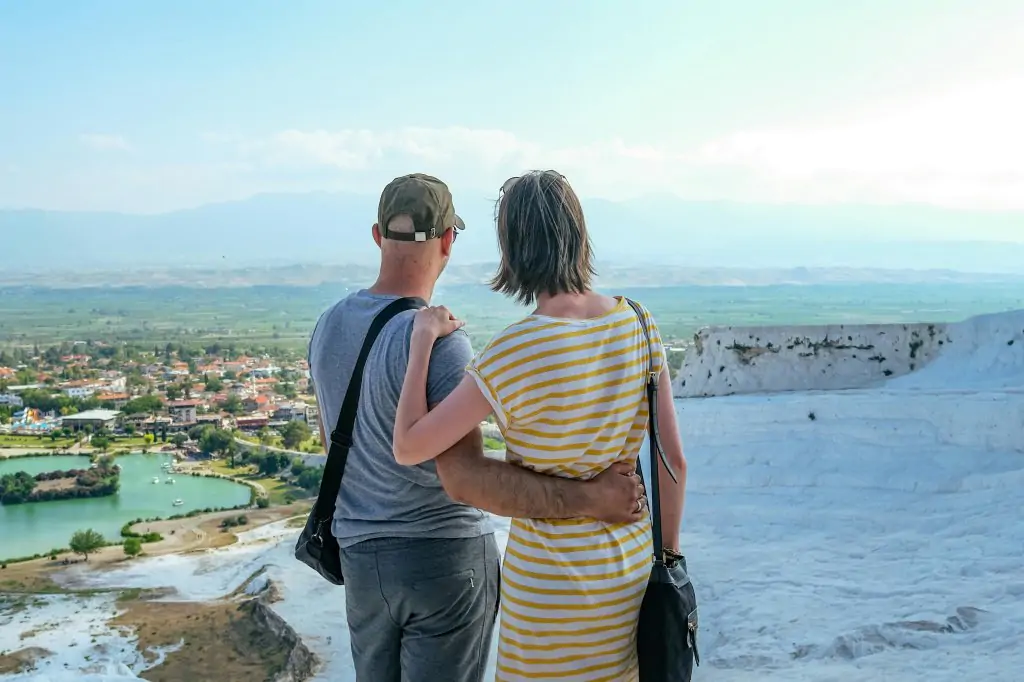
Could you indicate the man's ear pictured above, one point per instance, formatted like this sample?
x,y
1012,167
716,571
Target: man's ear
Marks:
x,y
447,239
376,234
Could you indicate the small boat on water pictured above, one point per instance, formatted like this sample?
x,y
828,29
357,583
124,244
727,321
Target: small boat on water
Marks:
x,y
156,479
178,502
169,481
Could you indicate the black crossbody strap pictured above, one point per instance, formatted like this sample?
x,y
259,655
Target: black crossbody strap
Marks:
x,y
652,426
341,436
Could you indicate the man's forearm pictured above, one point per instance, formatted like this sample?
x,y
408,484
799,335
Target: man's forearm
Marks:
x,y
506,489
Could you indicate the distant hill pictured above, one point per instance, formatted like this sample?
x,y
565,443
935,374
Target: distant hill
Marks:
x,y
284,229
609,276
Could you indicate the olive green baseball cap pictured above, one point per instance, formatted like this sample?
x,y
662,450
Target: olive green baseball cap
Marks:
x,y
423,198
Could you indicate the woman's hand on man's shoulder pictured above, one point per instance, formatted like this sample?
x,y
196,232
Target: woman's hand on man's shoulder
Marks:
x,y
433,322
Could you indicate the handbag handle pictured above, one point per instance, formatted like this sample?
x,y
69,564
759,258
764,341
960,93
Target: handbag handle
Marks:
x,y
657,453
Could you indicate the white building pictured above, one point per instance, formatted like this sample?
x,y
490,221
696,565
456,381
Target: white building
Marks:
x,y
95,419
295,412
85,389
183,411
23,387
79,389
11,400
115,384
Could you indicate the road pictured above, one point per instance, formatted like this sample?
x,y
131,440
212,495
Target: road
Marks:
x,y
309,459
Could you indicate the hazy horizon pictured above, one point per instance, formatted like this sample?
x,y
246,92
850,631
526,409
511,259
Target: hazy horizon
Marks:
x,y
334,227
800,103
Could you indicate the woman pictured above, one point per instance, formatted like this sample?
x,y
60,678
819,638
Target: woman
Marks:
x,y
566,385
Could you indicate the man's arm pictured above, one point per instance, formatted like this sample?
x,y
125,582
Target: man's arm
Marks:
x,y
508,490
504,489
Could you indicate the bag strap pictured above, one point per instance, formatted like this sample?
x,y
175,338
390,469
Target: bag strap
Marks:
x,y
341,436
657,452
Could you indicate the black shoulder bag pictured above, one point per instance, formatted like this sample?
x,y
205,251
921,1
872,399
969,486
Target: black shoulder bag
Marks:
x,y
667,633
317,546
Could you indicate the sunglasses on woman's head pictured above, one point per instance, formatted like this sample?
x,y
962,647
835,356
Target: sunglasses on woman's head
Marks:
x,y
510,183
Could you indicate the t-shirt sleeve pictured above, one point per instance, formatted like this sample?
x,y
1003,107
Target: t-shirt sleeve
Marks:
x,y
657,346
482,369
448,361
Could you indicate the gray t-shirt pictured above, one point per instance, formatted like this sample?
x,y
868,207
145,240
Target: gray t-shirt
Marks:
x,y
379,497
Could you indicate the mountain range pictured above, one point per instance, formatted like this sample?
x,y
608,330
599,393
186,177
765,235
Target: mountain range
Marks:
x,y
320,228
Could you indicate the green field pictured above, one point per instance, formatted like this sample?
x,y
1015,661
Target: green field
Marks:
x,y
279,492
34,442
282,317
46,443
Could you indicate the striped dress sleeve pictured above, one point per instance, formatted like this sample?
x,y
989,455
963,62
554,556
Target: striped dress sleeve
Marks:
x,y
482,370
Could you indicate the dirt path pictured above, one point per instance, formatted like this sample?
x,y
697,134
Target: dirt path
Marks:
x,y
6,453
9,453
204,532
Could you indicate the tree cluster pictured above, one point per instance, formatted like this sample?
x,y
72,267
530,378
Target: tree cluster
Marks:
x,y
274,463
47,401
86,542
102,480
213,440
143,405
16,488
234,521
232,404
307,477
294,434
132,547
271,463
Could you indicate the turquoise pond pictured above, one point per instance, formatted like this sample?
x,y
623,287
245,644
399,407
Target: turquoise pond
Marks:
x,y
27,529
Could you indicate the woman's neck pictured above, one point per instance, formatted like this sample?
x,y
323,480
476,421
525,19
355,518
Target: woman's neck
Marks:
x,y
575,306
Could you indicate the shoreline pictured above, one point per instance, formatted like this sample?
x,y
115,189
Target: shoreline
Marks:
x,y
16,453
186,535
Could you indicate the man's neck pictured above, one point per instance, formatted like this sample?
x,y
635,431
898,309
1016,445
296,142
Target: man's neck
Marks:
x,y
389,285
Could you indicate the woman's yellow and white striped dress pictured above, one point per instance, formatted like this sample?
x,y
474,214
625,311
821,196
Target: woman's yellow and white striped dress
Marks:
x,y
569,399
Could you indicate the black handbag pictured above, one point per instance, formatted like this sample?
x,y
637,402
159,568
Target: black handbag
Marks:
x,y
667,632
317,546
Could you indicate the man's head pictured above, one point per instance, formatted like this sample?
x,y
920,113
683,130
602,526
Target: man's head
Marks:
x,y
416,223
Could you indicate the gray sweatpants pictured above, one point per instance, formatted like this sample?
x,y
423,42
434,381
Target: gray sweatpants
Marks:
x,y
421,610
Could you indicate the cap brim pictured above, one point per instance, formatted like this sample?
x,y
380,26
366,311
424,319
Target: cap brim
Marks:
x,y
459,225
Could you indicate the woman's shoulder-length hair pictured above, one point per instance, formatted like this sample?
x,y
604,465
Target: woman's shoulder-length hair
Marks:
x,y
543,239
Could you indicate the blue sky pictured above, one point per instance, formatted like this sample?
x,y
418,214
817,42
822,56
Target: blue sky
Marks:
x,y
153,106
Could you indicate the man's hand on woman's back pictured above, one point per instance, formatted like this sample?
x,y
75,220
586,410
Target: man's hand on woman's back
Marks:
x,y
617,495
509,490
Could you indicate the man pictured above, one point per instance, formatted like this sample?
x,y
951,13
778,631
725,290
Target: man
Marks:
x,y
419,557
